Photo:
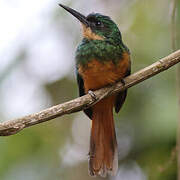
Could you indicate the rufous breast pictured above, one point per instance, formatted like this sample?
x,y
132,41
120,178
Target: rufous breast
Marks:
x,y
97,74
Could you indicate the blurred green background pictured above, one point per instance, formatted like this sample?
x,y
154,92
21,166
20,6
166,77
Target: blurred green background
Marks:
x,y
37,45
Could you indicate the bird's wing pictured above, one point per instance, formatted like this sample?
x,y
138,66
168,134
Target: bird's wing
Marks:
x,y
120,98
80,82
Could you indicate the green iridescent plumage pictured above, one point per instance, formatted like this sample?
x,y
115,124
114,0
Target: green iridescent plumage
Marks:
x,y
107,28
110,48
100,50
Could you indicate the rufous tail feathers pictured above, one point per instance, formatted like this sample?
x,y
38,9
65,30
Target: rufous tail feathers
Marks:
x,y
103,154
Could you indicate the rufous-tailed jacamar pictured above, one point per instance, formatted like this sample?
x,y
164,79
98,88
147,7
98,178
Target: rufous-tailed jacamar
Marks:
x,y
101,59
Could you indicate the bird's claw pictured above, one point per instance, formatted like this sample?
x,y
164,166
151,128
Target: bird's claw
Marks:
x,y
91,93
123,82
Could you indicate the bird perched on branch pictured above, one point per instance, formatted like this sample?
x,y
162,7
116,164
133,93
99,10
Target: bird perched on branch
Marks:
x,y
101,59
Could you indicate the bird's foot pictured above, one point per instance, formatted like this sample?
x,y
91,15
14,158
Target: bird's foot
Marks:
x,y
123,82
91,93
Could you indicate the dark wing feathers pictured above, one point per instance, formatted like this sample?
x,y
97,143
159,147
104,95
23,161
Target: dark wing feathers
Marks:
x,y
80,82
120,98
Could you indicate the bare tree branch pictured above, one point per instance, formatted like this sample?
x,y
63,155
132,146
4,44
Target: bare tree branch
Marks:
x,y
13,126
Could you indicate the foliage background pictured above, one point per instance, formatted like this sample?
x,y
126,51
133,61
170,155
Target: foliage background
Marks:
x,y
37,44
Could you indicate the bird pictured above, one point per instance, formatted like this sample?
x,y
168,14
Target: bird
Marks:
x,y
102,59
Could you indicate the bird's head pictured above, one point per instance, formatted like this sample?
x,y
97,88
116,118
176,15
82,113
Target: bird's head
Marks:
x,y
96,26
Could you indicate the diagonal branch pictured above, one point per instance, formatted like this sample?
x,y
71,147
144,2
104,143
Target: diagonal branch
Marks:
x,y
13,126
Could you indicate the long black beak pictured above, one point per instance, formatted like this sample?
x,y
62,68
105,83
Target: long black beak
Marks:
x,y
76,14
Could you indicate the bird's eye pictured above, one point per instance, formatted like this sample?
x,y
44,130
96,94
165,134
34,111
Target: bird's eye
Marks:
x,y
98,23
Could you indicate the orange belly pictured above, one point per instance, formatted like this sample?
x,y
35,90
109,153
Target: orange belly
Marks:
x,y
98,74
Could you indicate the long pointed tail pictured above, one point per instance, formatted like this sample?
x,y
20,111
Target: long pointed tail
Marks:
x,y
103,145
